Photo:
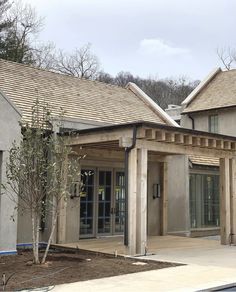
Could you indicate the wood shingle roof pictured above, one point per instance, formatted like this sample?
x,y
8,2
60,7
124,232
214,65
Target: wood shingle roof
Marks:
x,y
220,92
80,99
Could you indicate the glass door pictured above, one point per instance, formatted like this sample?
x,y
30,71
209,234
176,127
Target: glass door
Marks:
x,y
119,202
104,202
87,204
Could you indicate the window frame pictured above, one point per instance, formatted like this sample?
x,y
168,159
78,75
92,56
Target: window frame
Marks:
x,y
213,123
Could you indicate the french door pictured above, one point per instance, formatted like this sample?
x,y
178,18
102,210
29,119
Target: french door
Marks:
x,y
102,203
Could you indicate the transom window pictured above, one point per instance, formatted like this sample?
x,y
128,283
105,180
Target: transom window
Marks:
x,y
213,123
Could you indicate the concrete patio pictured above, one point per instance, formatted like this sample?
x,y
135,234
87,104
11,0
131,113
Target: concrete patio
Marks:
x,y
209,264
159,245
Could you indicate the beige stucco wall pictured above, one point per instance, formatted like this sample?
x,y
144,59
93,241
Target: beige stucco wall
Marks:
x,y
9,132
154,205
226,121
178,195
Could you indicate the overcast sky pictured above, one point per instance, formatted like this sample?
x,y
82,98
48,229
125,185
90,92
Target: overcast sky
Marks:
x,y
160,38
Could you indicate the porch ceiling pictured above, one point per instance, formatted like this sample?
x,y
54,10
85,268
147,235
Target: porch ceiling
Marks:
x,y
158,138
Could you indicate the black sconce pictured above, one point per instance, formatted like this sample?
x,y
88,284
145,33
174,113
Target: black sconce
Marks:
x,y
156,191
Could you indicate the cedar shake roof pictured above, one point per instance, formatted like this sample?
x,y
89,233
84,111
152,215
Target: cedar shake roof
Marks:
x,y
80,99
220,92
203,160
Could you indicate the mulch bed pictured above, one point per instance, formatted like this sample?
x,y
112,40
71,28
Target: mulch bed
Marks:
x,y
67,267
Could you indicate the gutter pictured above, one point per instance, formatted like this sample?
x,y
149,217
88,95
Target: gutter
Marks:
x,y
127,151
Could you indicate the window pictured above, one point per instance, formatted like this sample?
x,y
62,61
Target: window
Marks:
x,y
204,200
213,123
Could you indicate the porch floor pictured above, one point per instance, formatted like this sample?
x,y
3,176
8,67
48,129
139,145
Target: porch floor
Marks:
x,y
156,244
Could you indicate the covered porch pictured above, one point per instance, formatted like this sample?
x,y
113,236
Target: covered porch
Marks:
x,y
137,142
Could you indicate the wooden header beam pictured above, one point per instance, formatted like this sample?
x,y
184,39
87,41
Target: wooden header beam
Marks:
x,y
181,143
168,141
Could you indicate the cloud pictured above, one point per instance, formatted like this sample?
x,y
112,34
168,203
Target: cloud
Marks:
x,y
160,47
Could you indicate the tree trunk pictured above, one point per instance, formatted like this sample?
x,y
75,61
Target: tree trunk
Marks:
x,y
37,238
34,239
54,223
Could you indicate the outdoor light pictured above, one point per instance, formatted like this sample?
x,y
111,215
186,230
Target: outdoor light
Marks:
x,y
156,191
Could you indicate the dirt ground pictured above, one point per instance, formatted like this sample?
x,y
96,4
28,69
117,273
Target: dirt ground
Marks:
x,y
66,267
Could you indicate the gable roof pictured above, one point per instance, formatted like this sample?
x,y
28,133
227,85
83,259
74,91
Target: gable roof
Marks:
x,y
80,99
216,91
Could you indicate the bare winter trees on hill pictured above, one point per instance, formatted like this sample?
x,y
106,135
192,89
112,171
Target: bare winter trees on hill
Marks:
x,y
19,29
163,92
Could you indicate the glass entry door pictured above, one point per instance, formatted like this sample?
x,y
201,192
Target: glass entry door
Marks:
x,y
104,202
111,202
87,204
119,202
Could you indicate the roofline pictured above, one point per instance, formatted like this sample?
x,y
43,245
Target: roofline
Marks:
x,y
200,86
149,102
140,124
209,109
11,103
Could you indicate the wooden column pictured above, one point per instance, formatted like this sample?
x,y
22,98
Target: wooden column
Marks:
x,y
164,198
141,213
233,199
61,225
225,216
132,198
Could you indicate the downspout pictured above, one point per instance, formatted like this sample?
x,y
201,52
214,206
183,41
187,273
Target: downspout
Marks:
x,y
193,123
127,150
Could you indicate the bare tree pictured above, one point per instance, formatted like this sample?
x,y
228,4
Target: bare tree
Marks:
x,y
227,57
81,63
20,36
44,56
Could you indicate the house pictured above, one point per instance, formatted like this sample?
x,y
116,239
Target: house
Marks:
x,y
131,147
210,107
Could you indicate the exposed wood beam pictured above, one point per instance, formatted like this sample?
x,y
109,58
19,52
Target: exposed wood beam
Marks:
x,y
169,148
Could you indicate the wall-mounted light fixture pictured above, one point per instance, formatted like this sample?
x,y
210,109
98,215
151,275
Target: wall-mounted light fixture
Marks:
x,y
156,191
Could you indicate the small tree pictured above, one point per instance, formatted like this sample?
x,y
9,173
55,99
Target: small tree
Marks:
x,y
40,172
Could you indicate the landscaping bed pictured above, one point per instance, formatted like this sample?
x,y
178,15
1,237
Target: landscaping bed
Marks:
x,y
67,267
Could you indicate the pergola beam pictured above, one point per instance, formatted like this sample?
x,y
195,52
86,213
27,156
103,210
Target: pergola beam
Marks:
x,y
170,148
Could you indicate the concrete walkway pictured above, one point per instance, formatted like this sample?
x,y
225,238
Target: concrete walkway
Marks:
x,y
209,265
184,278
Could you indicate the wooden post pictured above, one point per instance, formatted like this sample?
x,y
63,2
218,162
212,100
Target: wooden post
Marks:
x,y
164,198
61,227
225,201
141,226
233,199
132,197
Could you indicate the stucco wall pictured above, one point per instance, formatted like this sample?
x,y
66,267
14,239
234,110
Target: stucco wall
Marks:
x,y
226,121
9,131
153,215
178,195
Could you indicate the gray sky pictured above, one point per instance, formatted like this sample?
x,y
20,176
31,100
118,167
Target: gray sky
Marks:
x,y
160,38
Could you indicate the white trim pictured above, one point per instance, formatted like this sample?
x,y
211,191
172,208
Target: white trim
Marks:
x,y
11,103
149,102
200,86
